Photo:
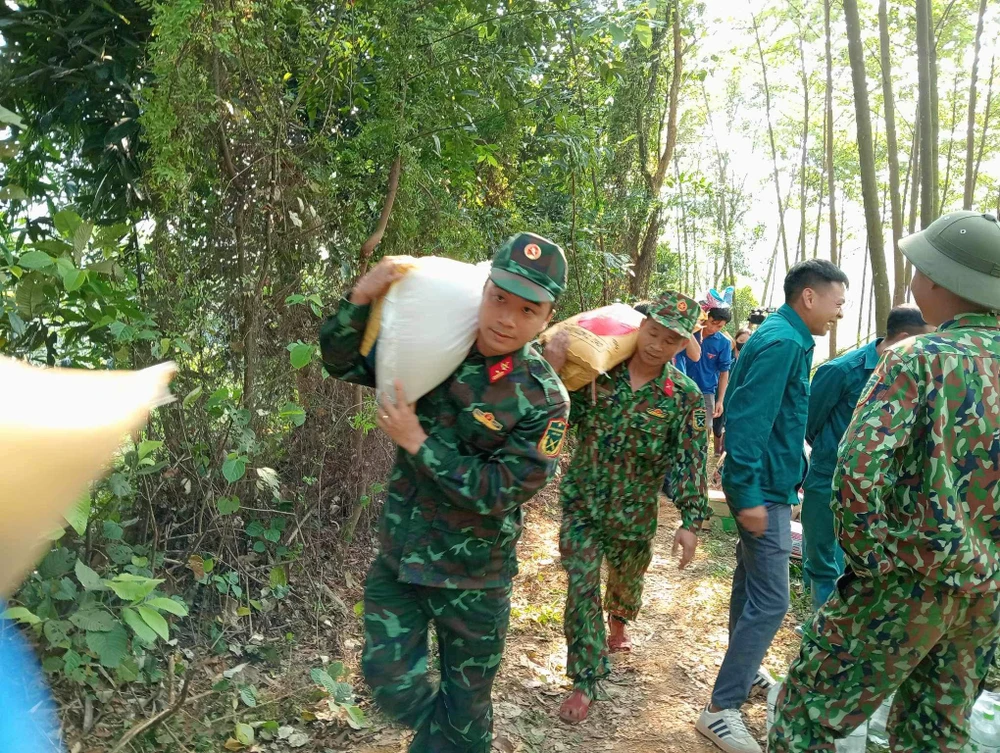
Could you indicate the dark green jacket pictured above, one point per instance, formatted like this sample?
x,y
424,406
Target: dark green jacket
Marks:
x,y
452,514
766,408
834,393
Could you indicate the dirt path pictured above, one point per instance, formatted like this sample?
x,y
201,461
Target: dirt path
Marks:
x,y
655,693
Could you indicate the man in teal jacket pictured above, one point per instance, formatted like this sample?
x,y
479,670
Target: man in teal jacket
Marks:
x,y
768,405
834,394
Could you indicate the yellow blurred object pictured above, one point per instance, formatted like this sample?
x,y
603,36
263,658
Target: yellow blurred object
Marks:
x,y
599,340
404,264
58,430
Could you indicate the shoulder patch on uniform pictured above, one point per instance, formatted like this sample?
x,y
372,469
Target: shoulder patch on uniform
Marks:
x,y
501,369
699,419
552,438
487,419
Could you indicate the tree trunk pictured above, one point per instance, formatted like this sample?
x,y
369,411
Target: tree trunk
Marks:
x,y
770,135
946,188
970,132
869,188
828,155
864,279
889,105
915,171
805,146
645,261
925,102
986,125
770,271
935,108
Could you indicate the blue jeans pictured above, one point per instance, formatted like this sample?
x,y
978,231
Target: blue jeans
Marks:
x,y
823,559
757,605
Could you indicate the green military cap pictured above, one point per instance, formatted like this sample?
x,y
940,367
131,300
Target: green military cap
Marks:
x,y
530,266
676,312
960,251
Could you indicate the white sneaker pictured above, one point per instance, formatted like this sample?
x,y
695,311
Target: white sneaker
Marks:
x,y
727,730
764,680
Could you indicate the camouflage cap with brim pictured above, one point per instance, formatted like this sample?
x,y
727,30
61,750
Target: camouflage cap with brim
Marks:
x,y
676,312
530,266
960,251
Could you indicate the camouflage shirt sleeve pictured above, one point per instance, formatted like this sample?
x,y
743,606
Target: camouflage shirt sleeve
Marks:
x,y
867,465
508,478
580,404
340,341
689,470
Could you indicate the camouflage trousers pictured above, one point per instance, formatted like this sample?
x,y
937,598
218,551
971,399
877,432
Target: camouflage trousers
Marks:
x,y
583,548
455,716
873,637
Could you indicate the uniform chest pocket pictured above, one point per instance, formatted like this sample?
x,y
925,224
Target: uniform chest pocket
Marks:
x,y
649,433
482,429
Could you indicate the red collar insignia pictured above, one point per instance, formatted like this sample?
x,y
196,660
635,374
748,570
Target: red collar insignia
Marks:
x,y
501,369
668,387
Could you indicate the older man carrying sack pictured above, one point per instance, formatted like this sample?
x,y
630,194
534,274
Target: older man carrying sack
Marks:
x,y
918,515
642,420
471,452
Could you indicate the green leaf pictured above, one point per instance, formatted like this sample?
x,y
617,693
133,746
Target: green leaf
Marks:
x,y
359,609
300,354
128,671
278,577
155,620
16,323
244,734
356,717
120,486
168,605
8,117
74,279
234,468
13,192
88,578
148,447
111,646
617,33
644,33
35,260
248,694
294,413
93,620
321,678
30,297
120,554
112,531
228,505
142,631
78,515
130,587
66,222
192,396
57,633
21,615
81,236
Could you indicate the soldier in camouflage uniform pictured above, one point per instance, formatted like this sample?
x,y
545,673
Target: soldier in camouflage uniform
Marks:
x,y
642,420
471,452
918,515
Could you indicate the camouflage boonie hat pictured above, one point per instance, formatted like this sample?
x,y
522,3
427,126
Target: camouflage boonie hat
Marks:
x,y
530,266
676,312
960,251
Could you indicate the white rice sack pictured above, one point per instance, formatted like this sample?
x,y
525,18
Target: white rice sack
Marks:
x,y
429,322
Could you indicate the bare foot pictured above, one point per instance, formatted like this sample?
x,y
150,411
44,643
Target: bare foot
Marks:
x,y
575,708
618,640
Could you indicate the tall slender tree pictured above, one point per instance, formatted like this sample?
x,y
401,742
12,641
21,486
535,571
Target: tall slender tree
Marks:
x,y
925,103
866,154
970,131
828,156
889,105
770,136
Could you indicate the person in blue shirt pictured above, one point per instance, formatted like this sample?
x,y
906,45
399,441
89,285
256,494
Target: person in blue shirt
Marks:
x,y
711,371
767,405
834,393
